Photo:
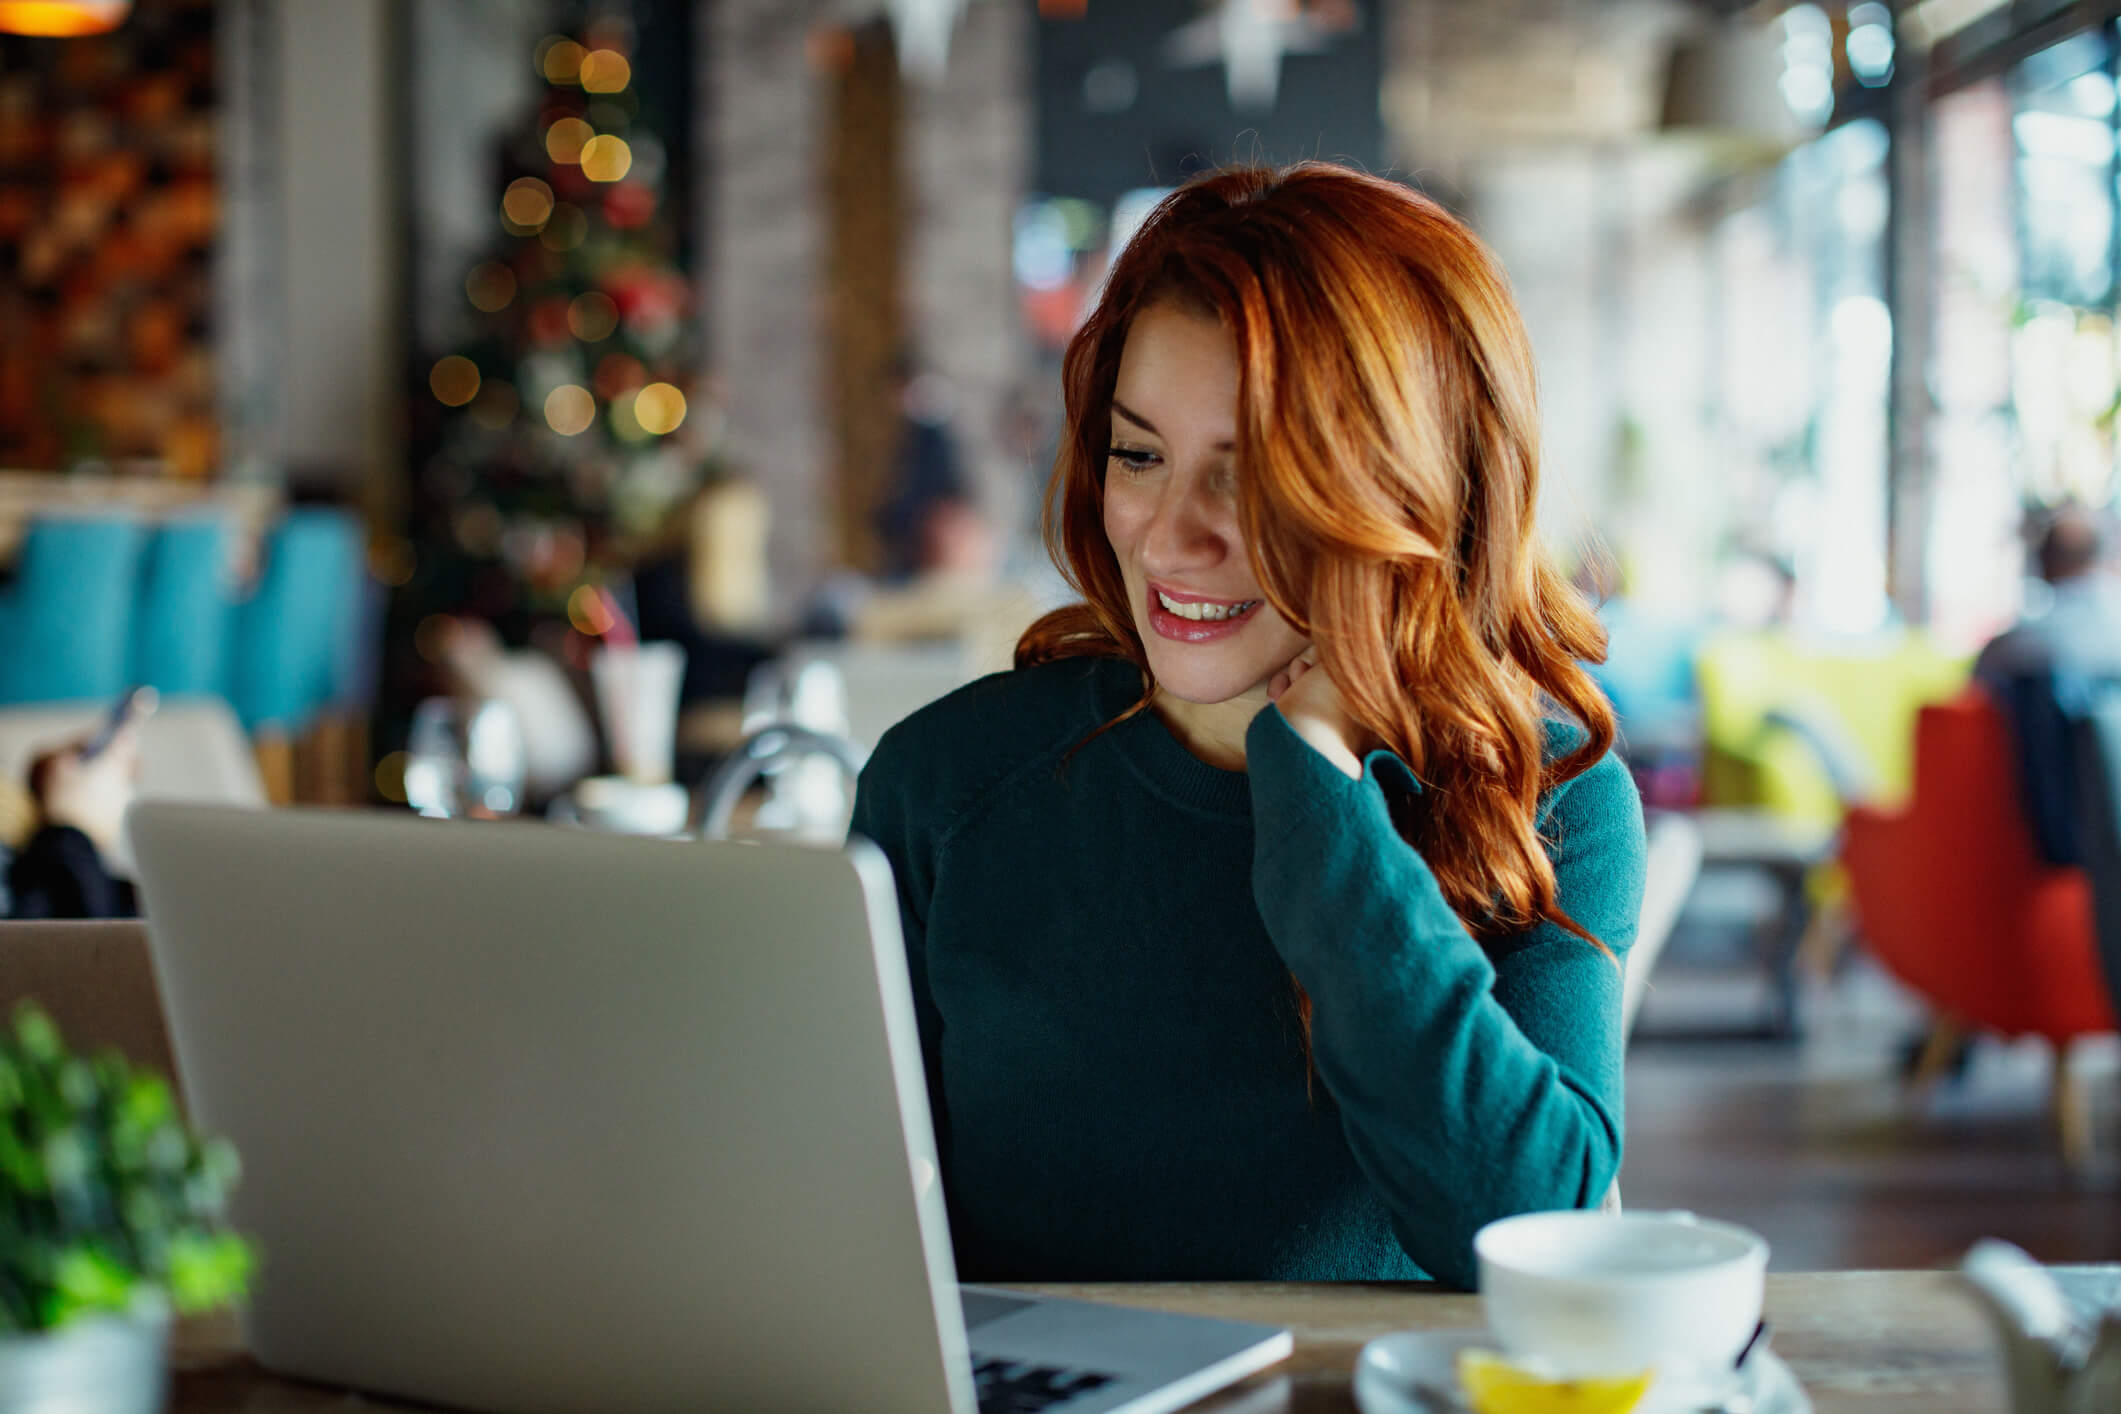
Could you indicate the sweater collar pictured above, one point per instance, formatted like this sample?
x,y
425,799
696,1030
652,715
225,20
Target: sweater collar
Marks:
x,y
1158,756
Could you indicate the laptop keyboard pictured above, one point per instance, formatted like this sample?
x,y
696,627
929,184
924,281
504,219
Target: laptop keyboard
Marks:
x,y
1020,1387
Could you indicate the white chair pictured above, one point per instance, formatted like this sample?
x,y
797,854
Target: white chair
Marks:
x,y
1673,862
879,684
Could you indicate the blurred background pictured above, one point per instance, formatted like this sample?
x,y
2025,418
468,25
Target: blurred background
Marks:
x,y
532,406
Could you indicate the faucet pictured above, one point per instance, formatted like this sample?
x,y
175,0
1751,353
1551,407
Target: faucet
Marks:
x,y
767,749
2053,1361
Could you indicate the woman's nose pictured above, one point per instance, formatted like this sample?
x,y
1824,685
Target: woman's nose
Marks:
x,y
1185,532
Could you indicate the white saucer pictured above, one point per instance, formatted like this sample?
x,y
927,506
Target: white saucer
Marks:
x,y
1392,1366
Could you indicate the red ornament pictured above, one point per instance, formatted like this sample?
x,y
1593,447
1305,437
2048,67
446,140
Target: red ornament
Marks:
x,y
628,205
548,320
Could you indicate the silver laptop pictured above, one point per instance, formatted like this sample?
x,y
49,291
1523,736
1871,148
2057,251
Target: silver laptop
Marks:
x,y
539,1120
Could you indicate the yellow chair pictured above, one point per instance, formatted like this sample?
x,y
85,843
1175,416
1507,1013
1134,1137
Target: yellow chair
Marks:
x,y
1778,708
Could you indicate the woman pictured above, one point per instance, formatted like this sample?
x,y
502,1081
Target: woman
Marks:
x,y
1213,988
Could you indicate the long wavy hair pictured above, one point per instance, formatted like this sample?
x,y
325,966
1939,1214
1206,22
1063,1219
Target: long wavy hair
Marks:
x,y
1388,474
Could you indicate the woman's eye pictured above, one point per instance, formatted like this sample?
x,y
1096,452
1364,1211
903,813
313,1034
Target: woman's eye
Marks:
x,y
1132,458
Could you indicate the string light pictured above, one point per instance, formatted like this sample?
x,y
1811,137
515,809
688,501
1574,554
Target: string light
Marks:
x,y
62,19
569,409
526,206
606,158
490,287
562,61
565,138
605,71
592,316
454,380
659,408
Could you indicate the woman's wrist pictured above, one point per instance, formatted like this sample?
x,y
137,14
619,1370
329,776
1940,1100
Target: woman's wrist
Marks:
x,y
1327,741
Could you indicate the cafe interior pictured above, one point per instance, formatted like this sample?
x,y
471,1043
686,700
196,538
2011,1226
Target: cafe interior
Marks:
x,y
594,424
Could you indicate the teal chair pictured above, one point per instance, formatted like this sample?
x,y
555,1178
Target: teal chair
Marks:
x,y
295,639
66,612
184,611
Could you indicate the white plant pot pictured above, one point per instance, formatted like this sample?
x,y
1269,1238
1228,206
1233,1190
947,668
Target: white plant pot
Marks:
x,y
106,1365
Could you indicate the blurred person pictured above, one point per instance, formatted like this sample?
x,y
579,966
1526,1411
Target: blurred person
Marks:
x,y
927,473
2034,668
2078,629
79,803
1266,921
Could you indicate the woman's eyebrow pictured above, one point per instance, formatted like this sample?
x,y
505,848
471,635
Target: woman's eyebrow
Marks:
x,y
1226,445
1134,417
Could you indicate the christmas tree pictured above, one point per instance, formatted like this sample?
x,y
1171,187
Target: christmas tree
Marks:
x,y
555,428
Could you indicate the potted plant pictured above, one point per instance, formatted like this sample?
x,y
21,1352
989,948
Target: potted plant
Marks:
x,y
110,1222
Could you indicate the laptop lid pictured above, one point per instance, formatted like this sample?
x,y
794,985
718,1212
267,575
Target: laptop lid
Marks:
x,y
536,1119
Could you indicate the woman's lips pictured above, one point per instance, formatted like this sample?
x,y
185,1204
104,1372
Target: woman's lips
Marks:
x,y
1184,630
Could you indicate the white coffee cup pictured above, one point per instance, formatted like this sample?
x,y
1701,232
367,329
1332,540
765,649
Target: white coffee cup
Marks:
x,y
1585,1292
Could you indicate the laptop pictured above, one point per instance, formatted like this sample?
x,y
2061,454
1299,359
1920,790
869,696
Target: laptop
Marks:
x,y
536,1119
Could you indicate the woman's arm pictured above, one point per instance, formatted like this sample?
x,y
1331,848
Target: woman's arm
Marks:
x,y
881,817
1473,1082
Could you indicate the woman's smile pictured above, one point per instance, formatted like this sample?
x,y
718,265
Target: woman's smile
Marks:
x,y
1196,618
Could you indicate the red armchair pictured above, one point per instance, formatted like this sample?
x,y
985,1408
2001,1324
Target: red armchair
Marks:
x,y
1953,900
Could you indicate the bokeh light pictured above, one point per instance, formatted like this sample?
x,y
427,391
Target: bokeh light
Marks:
x,y
526,206
592,316
606,158
496,405
624,425
561,61
390,777
454,380
605,71
659,408
432,636
490,287
392,560
569,409
587,611
564,139
479,528
568,228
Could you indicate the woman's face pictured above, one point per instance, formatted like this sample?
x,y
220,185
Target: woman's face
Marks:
x,y
1171,511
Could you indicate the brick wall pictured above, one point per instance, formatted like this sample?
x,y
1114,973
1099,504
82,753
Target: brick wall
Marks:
x,y
964,152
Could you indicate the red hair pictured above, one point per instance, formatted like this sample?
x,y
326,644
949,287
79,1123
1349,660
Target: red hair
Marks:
x,y
1388,455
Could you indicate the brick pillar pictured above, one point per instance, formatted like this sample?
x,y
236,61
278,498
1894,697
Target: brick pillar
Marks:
x,y
763,243
968,156
963,156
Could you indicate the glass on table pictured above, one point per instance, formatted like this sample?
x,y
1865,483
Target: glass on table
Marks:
x,y
464,759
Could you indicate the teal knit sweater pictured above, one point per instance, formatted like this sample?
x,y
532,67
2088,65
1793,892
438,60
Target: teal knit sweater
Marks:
x,y
1102,943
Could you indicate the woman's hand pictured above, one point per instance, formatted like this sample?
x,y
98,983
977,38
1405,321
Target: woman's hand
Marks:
x,y
1311,702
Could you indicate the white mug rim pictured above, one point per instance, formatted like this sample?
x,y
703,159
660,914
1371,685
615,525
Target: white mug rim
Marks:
x,y
1752,1247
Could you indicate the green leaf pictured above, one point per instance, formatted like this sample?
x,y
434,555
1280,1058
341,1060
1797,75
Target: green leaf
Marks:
x,y
36,1033
208,1270
86,1281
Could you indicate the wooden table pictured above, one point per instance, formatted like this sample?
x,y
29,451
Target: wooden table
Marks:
x,y
1883,1341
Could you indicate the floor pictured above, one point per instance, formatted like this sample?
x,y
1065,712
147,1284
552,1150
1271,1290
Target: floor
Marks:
x,y
1813,1144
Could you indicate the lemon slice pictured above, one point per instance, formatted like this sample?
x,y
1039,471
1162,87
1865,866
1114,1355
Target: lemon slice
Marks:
x,y
1495,1386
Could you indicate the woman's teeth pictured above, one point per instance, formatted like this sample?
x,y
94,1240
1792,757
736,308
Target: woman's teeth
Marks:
x,y
1203,611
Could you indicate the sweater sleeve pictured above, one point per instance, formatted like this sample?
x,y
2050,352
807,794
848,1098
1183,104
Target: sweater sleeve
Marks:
x,y
1473,1080
882,816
